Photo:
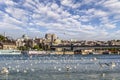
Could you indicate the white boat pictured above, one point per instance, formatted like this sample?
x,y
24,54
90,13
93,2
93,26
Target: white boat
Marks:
x,y
34,52
10,52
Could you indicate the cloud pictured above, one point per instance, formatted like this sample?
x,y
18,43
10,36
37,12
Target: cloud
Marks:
x,y
9,3
70,3
106,23
110,26
85,19
100,13
8,22
87,27
113,5
17,13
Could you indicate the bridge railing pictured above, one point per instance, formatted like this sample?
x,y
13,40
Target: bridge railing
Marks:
x,y
85,46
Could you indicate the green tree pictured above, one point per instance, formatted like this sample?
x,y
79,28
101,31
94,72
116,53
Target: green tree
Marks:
x,y
23,48
2,38
37,47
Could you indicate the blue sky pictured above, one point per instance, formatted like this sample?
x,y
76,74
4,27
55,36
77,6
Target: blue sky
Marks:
x,y
69,19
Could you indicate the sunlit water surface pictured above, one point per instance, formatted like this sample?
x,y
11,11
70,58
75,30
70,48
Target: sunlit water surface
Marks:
x,y
61,67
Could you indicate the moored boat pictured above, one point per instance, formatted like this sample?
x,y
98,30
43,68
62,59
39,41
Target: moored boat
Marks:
x,y
10,52
33,52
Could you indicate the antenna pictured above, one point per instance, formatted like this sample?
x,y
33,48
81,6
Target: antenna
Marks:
x,y
4,34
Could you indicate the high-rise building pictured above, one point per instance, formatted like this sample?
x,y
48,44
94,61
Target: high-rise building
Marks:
x,y
50,37
54,37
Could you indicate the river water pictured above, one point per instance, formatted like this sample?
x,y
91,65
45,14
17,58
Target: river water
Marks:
x,y
61,67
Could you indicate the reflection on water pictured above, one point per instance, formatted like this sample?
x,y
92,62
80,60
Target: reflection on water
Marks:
x,y
59,67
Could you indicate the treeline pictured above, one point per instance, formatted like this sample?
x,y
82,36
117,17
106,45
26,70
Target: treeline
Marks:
x,y
6,39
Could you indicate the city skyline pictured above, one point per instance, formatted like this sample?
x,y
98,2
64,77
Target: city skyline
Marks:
x,y
68,19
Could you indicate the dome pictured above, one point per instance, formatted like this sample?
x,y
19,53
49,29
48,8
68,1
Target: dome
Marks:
x,y
25,36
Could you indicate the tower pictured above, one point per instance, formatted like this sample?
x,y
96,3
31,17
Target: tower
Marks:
x,y
4,34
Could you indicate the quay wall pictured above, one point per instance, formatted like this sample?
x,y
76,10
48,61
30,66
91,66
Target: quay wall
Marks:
x,y
66,52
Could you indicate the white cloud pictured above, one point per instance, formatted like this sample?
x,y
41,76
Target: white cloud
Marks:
x,y
54,6
104,20
100,13
112,5
96,12
36,17
53,14
9,2
85,18
87,27
106,23
88,1
8,26
110,26
70,3
9,23
33,30
29,5
17,13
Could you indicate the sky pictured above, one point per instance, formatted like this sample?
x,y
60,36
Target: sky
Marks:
x,y
68,19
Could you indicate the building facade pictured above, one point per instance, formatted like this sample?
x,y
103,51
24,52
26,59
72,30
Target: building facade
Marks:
x,y
8,46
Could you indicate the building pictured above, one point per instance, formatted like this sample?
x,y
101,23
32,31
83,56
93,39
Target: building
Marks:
x,y
87,51
115,42
24,40
57,41
50,37
7,45
20,42
30,43
54,37
39,40
25,37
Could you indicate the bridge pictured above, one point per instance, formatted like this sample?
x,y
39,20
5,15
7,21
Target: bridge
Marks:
x,y
79,47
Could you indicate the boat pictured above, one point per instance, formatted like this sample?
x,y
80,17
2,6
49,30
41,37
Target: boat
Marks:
x,y
34,52
10,52
106,52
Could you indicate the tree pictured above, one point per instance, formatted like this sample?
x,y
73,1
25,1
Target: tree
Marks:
x,y
37,47
2,38
23,48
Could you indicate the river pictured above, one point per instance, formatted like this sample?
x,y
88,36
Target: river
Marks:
x,y
61,67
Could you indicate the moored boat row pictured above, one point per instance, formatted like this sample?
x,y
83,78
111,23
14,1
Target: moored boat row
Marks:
x,y
34,52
